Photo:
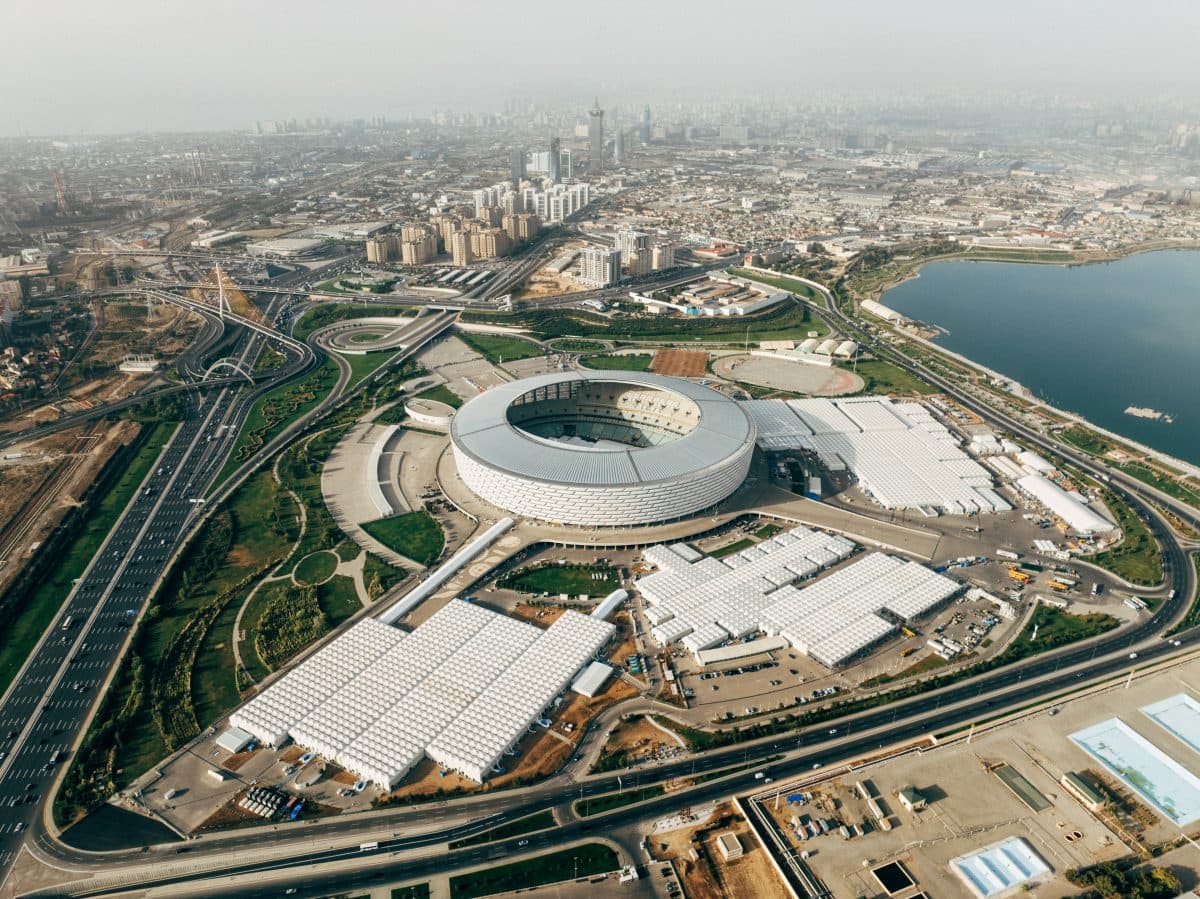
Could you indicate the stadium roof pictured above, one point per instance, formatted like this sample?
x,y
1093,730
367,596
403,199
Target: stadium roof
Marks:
x,y
482,430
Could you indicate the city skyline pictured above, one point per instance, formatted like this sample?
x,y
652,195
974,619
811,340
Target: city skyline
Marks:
x,y
158,72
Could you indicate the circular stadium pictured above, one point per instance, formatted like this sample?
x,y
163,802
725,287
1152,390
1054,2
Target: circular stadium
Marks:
x,y
602,448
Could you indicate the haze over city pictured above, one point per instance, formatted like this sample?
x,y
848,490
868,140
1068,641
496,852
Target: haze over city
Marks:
x,y
136,65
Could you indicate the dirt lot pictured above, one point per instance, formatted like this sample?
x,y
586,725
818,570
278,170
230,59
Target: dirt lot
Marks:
x,y
544,283
681,363
36,492
709,876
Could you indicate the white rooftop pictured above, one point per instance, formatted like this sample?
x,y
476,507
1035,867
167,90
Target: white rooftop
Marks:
x,y
376,700
705,603
902,456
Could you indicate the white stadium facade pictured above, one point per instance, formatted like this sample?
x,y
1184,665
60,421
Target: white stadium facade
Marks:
x,y
603,448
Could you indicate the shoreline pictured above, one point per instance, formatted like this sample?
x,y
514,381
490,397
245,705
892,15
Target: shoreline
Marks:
x,y
1053,257
1021,391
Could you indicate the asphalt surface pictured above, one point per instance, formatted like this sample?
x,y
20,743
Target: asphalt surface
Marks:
x,y
49,702
984,696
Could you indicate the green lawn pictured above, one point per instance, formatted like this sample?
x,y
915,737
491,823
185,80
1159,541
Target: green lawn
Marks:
x,y
784,321
276,408
539,821
767,531
379,576
412,891
316,568
442,394
415,535
1054,628
735,547
31,604
596,805
1137,558
885,378
362,366
779,282
338,599
627,362
571,345
573,580
567,864
500,348
328,313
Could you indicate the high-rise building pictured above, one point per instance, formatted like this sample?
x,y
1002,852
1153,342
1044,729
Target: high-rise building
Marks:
x,y
596,139
601,267
554,162
460,248
383,248
619,148
664,256
489,242
645,129
630,242
446,225
490,215
516,165
566,164
419,246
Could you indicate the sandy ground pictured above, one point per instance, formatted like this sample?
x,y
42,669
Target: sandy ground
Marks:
x,y
680,363
796,377
709,875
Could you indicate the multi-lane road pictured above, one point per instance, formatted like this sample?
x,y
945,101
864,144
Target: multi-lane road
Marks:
x,y
58,685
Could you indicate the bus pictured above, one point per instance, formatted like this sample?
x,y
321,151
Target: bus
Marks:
x,y
67,622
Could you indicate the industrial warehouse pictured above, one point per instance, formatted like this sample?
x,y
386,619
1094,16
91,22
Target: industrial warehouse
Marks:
x,y
602,448
901,455
463,688
701,601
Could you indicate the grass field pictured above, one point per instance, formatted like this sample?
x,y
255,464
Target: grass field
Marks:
x,y
573,580
500,348
538,821
1137,558
328,313
272,412
415,535
779,282
567,864
571,345
412,891
30,614
1054,628
338,599
735,547
316,568
362,366
881,377
596,805
638,362
784,321
442,394
379,576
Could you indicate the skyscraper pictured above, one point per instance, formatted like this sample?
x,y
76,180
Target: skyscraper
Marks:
x,y
645,135
554,166
516,165
619,147
596,139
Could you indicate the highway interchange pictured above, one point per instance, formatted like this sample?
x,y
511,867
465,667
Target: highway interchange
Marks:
x,y
50,702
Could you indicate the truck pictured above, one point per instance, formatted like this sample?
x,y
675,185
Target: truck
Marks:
x,y
1017,575
1007,554
368,847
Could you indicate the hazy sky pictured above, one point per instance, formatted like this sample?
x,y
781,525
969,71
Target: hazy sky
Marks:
x,y
71,66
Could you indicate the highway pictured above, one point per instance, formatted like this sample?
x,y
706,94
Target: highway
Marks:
x,y
983,696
